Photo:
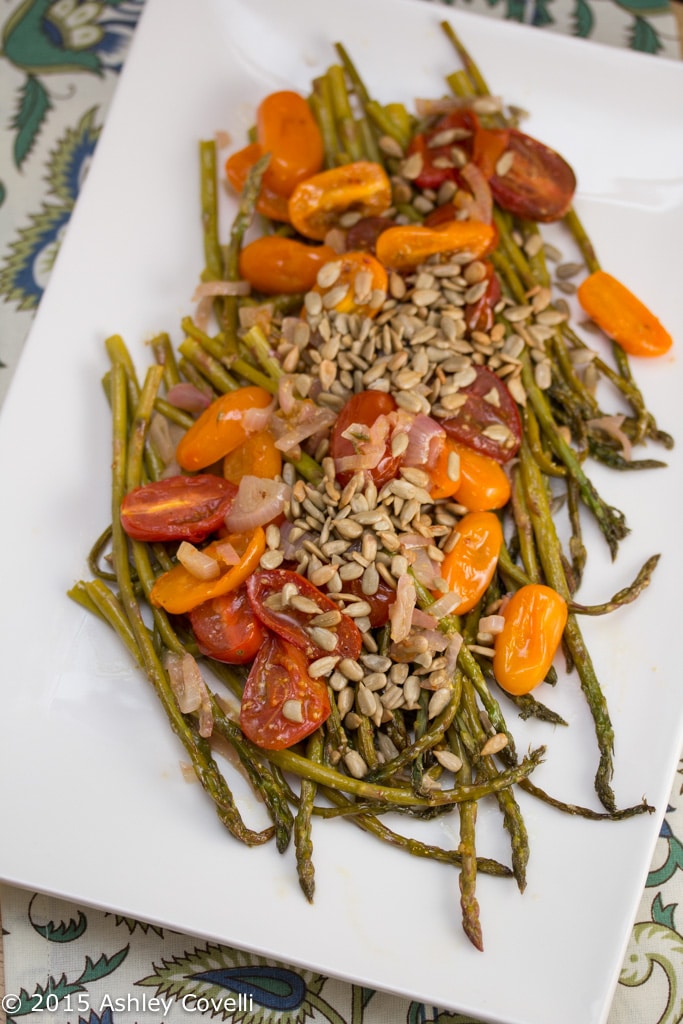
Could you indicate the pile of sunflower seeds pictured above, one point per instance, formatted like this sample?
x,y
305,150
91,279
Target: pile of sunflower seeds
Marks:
x,y
417,347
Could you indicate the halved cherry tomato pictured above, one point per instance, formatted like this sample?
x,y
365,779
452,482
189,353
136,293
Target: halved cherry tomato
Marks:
x,y
622,316
380,602
484,484
294,625
406,246
178,591
237,168
364,278
469,566
288,131
178,508
276,265
443,485
479,314
281,703
317,204
256,456
461,129
226,628
489,404
534,620
539,185
365,408
221,427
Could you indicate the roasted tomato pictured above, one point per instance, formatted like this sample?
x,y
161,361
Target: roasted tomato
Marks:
x,y
459,130
379,602
539,184
226,628
281,703
489,403
366,409
178,508
479,314
276,265
289,132
293,623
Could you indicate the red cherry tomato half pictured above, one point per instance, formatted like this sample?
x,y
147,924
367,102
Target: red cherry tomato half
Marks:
x,y
539,185
364,408
379,602
281,703
292,623
479,314
179,508
226,628
489,403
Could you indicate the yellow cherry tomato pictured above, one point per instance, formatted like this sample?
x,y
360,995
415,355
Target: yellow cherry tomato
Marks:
x,y
469,566
484,484
220,428
535,617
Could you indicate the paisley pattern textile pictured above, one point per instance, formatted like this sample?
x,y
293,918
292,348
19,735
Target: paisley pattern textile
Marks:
x,y
59,62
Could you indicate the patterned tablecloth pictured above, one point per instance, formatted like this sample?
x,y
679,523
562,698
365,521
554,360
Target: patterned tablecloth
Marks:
x,y
58,69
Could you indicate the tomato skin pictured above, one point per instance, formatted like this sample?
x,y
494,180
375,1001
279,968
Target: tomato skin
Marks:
x,y
290,623
276,265
226,628
405,246
220,428
539,185
535,617
288,131
279,674
478,412
483,484
479,315
442,486
470,565
483,146
380,602
365,407
352,266
317,204
237,168
178,508
256,456
622,316
178,591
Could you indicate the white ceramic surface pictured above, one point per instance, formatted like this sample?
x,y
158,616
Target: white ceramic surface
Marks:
x,y
92,801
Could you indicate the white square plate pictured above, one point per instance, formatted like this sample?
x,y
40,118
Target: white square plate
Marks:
x,y
92,801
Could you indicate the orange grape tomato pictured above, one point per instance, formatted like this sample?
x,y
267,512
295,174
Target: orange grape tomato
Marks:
x,y
237,168
178,591
622,316
405,246
256,456
317,204
365,280
221,427
534,620
469,566
443,484
281,702
484,484
288,131
282,266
